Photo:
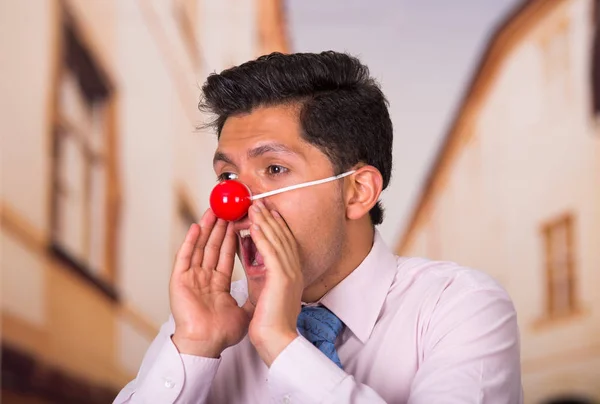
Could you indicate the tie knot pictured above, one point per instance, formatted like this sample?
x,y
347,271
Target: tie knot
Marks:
x,y
320,322
321,327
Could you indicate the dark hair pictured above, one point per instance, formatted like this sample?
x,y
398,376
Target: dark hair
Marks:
x,y
342,109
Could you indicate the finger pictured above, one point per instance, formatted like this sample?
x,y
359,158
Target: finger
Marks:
x,y
213,245
227,254
288,254
264,244
184,255
207,222
276,264
292,245
267,224
268,214
286,232
279,228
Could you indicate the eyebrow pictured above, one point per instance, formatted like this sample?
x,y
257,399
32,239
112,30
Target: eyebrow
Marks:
x,y
254,153
269,148
222,157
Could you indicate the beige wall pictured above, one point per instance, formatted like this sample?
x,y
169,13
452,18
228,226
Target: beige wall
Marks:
x,y
27,75
232,27
47,310
528,155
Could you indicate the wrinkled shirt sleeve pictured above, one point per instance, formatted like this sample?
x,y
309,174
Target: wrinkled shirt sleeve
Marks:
x,y
166,376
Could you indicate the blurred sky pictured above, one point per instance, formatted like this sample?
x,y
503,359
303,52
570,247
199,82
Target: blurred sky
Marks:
x,y
423,52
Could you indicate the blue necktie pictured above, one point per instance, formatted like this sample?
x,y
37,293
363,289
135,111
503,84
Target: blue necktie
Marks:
x,y
321,327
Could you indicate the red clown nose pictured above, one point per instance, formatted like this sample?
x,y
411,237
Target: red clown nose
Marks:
x,y
230,200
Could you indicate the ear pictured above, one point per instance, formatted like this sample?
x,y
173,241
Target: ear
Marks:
x,y
362,191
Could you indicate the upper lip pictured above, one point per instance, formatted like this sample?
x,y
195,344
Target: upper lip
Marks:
x,y
241,225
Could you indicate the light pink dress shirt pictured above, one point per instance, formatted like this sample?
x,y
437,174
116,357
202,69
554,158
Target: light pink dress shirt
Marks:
x,y
417,331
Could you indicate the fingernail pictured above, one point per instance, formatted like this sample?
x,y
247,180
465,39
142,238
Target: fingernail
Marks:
x,y
275,213
256,208
255,226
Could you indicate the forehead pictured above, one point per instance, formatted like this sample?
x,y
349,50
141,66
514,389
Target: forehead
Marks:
x,y
278,123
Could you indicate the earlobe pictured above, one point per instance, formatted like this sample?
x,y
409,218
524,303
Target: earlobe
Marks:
x,y
363,192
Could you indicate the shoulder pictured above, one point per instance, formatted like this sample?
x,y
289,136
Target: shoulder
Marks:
x,y
444,276
442,287
448,296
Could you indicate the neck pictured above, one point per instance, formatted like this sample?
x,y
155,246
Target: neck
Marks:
x,y
358,244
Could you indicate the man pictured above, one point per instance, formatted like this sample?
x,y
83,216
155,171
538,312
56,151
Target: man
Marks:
x,y
327,313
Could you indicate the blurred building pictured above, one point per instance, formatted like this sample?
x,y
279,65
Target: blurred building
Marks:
x,y
102,174
515,189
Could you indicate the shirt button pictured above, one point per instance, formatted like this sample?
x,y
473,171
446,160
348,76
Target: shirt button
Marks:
x,y
169,383
287,399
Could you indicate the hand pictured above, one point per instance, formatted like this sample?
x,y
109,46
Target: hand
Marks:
x,y
207,318
273,326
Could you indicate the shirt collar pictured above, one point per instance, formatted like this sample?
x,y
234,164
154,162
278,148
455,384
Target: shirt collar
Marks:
x,y
357,300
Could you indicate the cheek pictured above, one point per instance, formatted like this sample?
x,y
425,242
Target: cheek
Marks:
x,y
312,217
301,210
316,220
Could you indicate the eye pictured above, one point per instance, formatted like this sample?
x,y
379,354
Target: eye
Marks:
x,y
275,170
227,176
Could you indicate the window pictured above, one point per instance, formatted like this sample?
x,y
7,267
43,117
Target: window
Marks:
x,y
83,203
186,13
561,298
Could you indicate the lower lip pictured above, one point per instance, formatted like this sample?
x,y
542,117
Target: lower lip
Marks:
x,y
255,271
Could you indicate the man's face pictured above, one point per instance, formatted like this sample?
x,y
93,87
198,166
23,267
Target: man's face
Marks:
x,y
265,151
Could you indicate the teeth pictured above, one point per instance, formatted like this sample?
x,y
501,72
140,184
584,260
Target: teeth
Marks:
x,y
254,263
244,233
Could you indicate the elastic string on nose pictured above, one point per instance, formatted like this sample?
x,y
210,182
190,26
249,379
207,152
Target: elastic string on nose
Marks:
x,y
303,185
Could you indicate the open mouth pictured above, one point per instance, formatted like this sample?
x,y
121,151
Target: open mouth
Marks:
x,y
253,261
